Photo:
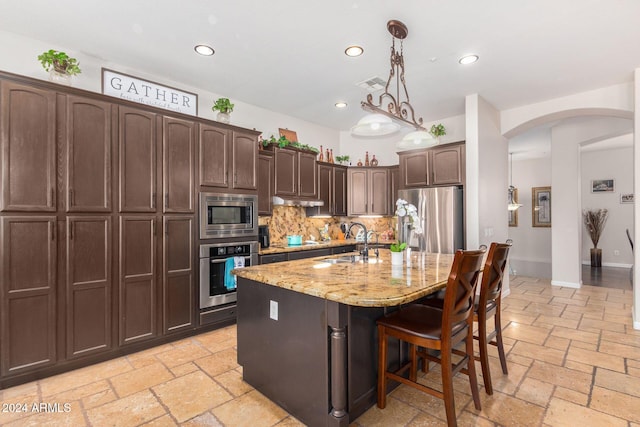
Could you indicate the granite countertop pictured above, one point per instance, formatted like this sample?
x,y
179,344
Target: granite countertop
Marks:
x,y
283,247
374,284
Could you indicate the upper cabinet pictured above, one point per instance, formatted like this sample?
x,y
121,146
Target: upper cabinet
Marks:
x,y
28,148
368,191
332,189
87,129
442,165
295,173
265,182
178,144
227,159
137,142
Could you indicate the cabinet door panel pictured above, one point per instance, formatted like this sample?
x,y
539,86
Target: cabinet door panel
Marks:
x,y
245,161
308,175
138,137
28,144
357,185
340,191
28,304
286,173
378,192
177,160
265,184
88,130
138,278
178,277
448,165
325,188
414,169
213,149
89,285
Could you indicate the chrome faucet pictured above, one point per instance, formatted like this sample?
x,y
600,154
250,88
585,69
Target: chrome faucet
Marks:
x,y
365,251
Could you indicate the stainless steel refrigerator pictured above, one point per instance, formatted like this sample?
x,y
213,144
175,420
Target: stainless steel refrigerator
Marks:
x,y
440,210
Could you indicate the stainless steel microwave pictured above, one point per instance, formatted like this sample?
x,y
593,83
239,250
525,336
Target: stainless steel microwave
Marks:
x,y
228,215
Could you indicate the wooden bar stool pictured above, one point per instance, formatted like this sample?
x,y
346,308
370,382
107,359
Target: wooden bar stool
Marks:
x,y
490,298
437,329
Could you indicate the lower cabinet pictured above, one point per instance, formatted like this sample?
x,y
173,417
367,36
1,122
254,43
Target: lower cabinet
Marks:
x,y
88,285
302,254
28,311
138,278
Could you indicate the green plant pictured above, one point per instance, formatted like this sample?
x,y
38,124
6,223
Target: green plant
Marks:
x,y
223,105
284,142
341,159
438,130
60,61
397,247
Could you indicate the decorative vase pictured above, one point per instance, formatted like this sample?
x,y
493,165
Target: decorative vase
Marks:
x,y
397,258
59,78
223,117
596,257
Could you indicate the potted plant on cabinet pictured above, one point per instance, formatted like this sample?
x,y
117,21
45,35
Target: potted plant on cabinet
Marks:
x,y
595,221
342,159
59,65
224,108
437,131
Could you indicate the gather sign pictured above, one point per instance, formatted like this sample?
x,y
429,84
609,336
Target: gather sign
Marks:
x,y
131,88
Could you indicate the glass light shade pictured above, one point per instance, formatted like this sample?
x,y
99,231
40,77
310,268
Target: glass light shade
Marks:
x,y
375,125
417,139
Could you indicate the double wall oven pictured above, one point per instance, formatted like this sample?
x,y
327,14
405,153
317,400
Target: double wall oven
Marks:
x,y
228,229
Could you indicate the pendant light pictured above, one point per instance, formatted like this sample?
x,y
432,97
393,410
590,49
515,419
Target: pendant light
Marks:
x,y
391,110
512,206
416,139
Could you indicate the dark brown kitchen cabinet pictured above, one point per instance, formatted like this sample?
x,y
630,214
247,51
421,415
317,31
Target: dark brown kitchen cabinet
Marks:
x,y
441,165
448,164
227,159
28,311
137,278
265,183
368,191
178,275
28,148
394,185
88,285
137,136
295,173
87,127
245,161
332,189
178,144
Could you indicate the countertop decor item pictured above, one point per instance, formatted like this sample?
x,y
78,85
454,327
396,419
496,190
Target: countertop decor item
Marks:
x,y
595,221
224,108
397,252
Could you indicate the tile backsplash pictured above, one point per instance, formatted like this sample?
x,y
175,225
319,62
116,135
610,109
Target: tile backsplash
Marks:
x,y
292,220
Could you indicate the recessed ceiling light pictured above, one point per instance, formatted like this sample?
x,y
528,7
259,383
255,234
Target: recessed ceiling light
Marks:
x,y
353,51
468,59
341,104
204,50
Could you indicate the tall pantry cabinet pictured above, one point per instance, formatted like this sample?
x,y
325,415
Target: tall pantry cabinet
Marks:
x,y
97,217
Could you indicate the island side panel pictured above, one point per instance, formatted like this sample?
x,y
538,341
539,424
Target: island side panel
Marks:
x,y
285,359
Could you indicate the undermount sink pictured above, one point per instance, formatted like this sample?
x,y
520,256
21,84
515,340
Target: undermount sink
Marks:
x,y
346,259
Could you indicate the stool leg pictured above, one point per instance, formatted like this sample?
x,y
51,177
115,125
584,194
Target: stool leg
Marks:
x,y
500,345
471,367
447,387
382,367
414,363
484,356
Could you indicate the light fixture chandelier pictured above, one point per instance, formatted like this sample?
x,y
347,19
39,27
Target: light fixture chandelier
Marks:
x,y
513,205
396,107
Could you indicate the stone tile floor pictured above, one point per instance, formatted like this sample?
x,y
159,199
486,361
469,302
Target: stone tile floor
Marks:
x,y
573,356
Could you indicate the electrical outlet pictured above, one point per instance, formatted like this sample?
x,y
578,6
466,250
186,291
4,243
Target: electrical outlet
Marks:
x,y
616,252
273,309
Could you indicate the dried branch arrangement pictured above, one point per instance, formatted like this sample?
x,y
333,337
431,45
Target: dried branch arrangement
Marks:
x,y
595,220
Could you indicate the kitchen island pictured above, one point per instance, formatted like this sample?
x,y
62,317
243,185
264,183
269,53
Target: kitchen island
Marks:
x,y
306,329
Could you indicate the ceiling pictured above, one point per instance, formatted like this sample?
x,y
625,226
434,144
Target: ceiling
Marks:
x,y
288,55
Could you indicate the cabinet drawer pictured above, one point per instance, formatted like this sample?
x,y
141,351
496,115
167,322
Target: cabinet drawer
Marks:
x,y
268,259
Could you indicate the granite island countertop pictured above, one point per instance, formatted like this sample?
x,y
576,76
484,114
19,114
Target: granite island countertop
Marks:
x,y
278,248
373,284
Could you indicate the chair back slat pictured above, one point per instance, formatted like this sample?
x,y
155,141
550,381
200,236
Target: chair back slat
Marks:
x,y
493,274
460,290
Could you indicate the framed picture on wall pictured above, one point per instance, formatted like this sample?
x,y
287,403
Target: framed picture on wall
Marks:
x,y
626,197
541,206
602,185
513,215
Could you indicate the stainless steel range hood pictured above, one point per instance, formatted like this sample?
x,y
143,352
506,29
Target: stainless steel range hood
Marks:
x,y
306,203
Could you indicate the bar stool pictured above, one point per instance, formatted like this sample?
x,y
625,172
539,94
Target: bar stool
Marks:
x,y
490,298
431,328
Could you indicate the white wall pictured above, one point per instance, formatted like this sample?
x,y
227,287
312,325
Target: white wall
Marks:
x,y
18,55
614,164
531,252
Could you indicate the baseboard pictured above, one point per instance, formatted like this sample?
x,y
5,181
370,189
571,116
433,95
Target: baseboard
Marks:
x,y
566,284
610,264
